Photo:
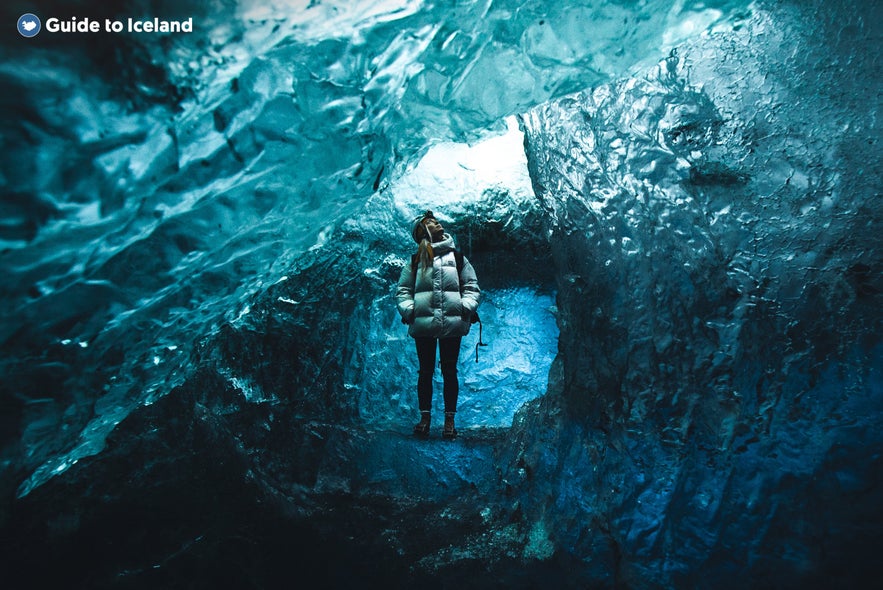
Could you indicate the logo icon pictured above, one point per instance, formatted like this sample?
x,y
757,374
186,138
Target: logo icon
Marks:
x,y
28,25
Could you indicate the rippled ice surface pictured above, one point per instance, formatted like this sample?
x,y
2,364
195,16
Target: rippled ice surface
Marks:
x,y
682,384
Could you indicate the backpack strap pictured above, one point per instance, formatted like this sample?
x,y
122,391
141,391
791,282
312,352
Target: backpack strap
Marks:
x,y
459,257
475,319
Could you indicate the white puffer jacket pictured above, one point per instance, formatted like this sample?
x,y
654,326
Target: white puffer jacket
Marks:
x,y
437,302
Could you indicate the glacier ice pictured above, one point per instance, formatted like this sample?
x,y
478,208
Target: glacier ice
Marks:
x,y
673,210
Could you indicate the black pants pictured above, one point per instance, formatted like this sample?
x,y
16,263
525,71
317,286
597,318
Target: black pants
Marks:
x,y
449,349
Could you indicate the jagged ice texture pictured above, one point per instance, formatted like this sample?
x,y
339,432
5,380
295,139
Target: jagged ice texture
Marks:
x,y
673,208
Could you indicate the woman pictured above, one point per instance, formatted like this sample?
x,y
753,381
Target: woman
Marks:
x,y
437,296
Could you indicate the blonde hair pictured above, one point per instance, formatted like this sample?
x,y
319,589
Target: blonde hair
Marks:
x,y
425,254
424,250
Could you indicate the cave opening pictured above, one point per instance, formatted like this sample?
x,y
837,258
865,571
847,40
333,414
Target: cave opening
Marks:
x,y
201,336
482,193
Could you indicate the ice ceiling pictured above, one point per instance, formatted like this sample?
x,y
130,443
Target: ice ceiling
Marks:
x,y
673,208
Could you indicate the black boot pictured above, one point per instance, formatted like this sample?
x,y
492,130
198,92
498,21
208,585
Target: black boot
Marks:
x,y
421,429
449,432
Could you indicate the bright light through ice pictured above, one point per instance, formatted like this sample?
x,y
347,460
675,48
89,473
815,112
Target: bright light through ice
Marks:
x,y
685,26
451,175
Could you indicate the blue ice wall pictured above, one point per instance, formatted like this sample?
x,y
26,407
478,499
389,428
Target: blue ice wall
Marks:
x,y
203,374
160,183
520,337
714,226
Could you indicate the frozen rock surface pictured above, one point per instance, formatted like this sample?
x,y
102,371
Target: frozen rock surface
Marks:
x,y
674,211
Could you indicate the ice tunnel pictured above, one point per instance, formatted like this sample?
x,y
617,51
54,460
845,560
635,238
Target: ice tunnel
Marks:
x,y
672,206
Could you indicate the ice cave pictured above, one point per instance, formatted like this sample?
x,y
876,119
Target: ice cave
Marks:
x,y
673,208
